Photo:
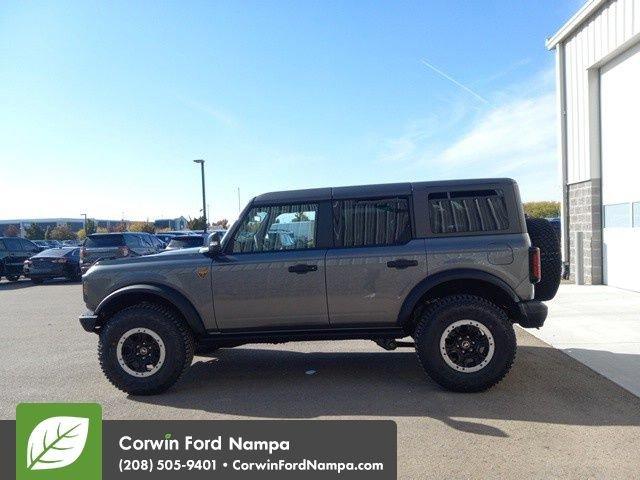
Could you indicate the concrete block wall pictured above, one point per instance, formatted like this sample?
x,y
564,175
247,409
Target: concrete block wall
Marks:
x,y
585,215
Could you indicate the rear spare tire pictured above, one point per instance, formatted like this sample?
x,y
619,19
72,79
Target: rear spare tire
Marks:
x,y
544,237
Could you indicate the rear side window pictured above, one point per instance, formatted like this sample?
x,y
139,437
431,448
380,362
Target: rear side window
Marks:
x,y
13,244
364,223
468,211
104,241
134,241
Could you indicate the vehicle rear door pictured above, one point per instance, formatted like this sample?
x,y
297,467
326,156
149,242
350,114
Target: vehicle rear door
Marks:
x,y
272,273
375,263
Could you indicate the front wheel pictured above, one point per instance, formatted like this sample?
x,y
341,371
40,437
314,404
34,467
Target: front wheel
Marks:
x,y
144,349
13,278
465,343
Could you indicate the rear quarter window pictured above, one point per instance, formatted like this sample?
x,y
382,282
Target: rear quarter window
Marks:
x,y
468,211
104,241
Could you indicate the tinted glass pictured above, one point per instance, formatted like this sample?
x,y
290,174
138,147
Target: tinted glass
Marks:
x,y
104,241
186,242
361,223
28,246
277,228
13,244
468,211
617,216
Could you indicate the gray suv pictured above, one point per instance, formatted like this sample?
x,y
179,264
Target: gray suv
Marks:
x,y
452,264
103,246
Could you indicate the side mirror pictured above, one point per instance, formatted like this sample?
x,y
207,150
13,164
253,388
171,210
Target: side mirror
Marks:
x,y
213,250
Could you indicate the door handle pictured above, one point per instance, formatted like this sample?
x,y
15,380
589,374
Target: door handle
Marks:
x,y
402,263
302,268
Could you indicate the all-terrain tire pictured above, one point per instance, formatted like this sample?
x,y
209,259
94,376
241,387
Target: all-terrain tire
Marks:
x,y
13,278
439,317
176,337
545,238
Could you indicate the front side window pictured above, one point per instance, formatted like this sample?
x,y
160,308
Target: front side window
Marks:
x,y
363,223
468,211
276,228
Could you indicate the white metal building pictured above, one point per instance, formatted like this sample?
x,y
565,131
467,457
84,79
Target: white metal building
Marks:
x,y
598,82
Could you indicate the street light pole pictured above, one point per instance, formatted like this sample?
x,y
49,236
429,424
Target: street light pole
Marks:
x,y
84,225
204,199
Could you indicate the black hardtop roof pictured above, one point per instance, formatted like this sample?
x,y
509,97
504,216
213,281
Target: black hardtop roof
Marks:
x,y
378,190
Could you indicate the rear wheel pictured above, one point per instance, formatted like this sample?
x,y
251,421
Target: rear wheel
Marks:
x,y
465,343
144,349
13,278
545,238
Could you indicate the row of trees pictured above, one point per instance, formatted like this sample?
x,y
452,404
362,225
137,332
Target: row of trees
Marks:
x,y
544,209
64,232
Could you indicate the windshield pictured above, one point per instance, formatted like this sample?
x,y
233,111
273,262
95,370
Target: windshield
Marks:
x,y
102,241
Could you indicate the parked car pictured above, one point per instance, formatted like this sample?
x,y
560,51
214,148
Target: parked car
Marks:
x,y
106,246
452,264
185,241
13,252
54,263
557,227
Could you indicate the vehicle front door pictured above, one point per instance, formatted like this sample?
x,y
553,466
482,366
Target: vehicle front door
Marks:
x,y
272,274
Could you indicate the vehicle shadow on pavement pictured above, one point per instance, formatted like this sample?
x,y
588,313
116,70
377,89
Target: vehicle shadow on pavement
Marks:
x,y
26,283
22,283
545,385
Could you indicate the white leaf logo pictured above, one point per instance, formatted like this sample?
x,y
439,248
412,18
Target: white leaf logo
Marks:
x,y
56,442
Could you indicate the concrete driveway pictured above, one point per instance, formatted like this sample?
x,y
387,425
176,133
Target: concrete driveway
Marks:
x,y
552,417
600,326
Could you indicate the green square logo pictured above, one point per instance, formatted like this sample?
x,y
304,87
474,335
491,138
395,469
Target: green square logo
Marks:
x,y
58,441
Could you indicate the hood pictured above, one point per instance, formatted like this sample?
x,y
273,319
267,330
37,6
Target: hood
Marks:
x,y
168,255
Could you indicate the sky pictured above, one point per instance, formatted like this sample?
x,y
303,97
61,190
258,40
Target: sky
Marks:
x,y
104,105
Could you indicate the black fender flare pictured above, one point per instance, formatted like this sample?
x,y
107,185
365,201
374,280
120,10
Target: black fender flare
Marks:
x,y
432,281
175,298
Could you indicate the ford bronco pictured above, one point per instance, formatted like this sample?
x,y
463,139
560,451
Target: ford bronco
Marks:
x,y
452,264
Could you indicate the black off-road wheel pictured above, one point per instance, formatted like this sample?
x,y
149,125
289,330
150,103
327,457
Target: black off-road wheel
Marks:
x,y
144,349
545,238
13,278
465,343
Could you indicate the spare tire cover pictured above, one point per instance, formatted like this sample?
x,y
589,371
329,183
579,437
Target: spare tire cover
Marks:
x,y
545,238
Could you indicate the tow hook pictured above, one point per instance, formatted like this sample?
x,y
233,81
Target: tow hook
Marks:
x,y
392,344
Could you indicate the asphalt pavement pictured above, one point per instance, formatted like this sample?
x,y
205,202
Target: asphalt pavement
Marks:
x,y
552,417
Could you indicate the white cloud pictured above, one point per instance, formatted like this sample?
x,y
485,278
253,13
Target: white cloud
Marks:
x,y
515,136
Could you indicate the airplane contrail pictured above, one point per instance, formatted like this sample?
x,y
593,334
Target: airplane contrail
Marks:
x,y
455,82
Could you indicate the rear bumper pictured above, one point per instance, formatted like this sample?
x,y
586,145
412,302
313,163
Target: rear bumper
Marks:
x,y
89,321
533,313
